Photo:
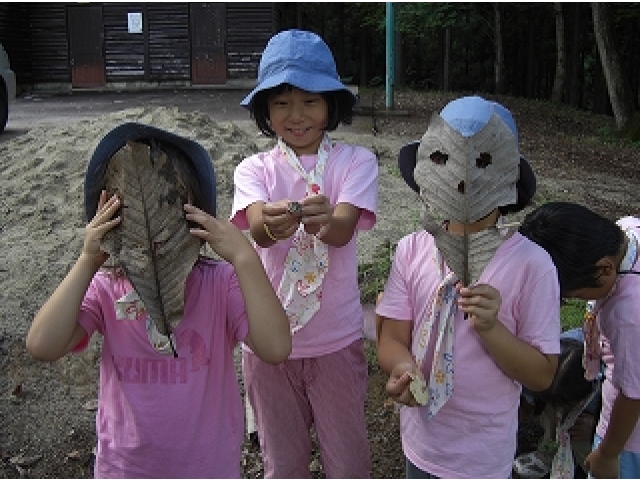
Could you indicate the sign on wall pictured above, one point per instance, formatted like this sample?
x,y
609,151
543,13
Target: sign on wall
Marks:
x,y
135,22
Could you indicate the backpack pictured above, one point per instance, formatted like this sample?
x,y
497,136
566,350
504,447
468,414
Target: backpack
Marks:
x,y
569,384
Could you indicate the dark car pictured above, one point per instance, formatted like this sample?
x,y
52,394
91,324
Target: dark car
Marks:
x,y
7,87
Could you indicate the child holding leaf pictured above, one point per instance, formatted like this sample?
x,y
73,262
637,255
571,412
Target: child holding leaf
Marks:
x,y
169,403
470,311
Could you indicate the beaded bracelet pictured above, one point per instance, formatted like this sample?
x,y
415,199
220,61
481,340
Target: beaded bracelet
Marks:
x,y
268,232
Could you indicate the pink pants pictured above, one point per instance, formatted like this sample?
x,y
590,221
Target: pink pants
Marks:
x,y
328,392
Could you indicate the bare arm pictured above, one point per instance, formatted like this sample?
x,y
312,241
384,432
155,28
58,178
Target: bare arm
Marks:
x,y
604,461
517,359
54,331
269,332
394,357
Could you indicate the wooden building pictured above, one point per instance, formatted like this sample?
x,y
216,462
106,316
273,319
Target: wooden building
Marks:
x,y
102,45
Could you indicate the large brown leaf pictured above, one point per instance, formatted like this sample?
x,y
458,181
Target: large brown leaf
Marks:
x,y
152,243
463,179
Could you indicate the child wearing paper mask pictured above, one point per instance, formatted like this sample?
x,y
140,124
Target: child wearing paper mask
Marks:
x,y
304,201
470,311
165,413
597,261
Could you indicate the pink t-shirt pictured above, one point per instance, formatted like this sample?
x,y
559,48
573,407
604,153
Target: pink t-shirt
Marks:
x,y
619,320
350,176
474,434
165,417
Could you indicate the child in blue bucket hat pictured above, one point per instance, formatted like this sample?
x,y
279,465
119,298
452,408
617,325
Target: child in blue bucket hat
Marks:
x,y
304,202
470,311
163,412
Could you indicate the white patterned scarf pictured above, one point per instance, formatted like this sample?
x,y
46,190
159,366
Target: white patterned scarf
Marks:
x,y
441,315
307,262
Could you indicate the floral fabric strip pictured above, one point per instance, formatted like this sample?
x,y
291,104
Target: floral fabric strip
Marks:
x,y
441,315
307,262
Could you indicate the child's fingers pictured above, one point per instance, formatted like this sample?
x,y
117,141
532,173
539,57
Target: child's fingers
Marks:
x,y
199,233
315,201
103,218
481,295
282,226
397,385
398,389
316,209
105,202
202,218
102,199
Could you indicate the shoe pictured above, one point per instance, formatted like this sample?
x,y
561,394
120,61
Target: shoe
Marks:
x,y
533,465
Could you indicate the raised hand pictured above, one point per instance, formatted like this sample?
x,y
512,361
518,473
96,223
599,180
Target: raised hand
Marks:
x,y
222,236
101,223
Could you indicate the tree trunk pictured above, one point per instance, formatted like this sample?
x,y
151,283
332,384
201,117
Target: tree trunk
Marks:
x,y
619,93
531,61
499,60
364,57
576,65
446,59
558,83
601,103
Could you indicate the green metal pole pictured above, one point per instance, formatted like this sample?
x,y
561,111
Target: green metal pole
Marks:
x,y
390,23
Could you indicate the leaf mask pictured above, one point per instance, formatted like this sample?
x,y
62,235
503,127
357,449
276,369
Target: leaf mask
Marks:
x,y
152,243
463,179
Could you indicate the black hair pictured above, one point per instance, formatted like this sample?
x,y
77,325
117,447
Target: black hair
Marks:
x,y
576,238
339,106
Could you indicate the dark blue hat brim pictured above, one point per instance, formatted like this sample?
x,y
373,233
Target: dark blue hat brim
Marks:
x,y
94,181
310,82
525,187
407,159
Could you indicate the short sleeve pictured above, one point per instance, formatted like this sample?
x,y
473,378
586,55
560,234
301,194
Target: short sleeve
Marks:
x,y
249,180
396,302
237,319
359,183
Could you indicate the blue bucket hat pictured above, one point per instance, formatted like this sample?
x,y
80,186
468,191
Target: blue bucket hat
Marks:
x,y
94,180
301,59
468,115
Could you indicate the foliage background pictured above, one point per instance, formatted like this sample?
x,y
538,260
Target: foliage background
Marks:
x,y
464,36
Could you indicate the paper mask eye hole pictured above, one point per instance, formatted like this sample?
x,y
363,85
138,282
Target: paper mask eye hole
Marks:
x,y
461,188
484,160
439,158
